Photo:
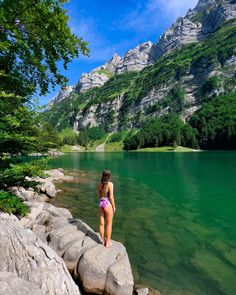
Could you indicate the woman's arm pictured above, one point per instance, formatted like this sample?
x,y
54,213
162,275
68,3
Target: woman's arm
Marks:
x,y
111,195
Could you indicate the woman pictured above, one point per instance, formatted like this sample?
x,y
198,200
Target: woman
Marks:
x,y
106,207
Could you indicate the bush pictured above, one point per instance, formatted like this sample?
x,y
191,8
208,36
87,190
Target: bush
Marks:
x,y
11,204
15,175
116,137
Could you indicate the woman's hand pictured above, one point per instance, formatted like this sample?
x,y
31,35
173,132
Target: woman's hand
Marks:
x,y
114,209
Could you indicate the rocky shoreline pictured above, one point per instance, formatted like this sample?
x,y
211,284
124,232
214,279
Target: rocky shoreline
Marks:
x,y
48,251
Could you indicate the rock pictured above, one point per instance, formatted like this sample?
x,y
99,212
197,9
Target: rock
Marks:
x,y
24,194
23,254
88,81
99,268
198,23
106,269
42,213
119,278
48,188
54,153
136,59
13,285
64,93
142,291
73,253
57,174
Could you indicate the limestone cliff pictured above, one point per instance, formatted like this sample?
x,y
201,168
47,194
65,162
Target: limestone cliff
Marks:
x,y
193,61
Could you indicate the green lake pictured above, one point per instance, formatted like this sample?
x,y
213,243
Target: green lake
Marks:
x,y
176,214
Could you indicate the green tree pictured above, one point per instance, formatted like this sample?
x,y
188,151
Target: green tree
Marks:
x,y
35,37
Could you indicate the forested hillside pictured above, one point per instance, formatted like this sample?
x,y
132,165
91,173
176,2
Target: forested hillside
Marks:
x,y
184,82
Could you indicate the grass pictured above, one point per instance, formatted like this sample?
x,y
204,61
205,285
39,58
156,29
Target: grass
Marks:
x,y
69,148
106,72
114,146
180,149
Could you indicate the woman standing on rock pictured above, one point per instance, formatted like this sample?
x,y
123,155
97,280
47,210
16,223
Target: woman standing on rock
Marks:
x,y
106,207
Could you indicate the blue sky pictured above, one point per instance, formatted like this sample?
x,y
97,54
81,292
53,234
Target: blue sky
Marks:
x,y
115,26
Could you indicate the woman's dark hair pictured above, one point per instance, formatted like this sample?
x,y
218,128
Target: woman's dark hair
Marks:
x,y
106,175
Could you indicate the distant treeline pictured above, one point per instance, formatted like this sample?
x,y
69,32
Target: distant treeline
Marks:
x,y
211,127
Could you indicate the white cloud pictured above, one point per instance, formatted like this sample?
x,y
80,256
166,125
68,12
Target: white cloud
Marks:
x,y
101,49
176,8
151,15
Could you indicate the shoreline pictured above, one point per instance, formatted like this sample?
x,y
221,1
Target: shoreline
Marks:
x,y
42,220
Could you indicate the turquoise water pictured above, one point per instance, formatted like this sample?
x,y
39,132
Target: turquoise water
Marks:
x,y
176,214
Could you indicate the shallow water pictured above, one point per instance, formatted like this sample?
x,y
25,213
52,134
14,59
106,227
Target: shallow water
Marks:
x,y
176,214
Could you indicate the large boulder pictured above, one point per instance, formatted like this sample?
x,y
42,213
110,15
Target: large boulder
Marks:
x,y
48,188
41,213
106,269
100,269
23,254
13,285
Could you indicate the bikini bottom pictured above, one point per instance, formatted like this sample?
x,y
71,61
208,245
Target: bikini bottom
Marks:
x,y
103,203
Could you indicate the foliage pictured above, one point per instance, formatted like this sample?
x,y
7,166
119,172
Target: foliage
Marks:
x,y
35,36
197,17
106,72
47,138
115,137
210,85
162,131
90,135
18,131
169,70
11,204
16,173
216,123
69,136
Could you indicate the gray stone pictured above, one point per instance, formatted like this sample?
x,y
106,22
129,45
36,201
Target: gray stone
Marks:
x,y
88,81
93,269
24,194
136,59
63,94
119,278
142,291
48,188
13,285
41,213
74,252
23,254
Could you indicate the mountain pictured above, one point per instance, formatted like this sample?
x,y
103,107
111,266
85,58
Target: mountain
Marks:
x,y
192,63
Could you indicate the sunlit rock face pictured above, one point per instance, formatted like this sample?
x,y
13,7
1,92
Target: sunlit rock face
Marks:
x,y
198,23
64,93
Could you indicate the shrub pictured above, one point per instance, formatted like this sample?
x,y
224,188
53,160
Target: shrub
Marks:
x,y
116,137
12,204
15,175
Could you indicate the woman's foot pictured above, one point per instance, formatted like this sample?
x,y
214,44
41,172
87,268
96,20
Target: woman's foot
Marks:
x,y
108,244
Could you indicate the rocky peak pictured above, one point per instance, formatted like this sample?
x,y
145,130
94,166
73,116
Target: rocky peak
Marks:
x,y
63,93
88,81
198,23
136,59
113,63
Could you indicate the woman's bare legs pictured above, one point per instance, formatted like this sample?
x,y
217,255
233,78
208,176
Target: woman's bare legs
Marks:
x,y
101,224
109,217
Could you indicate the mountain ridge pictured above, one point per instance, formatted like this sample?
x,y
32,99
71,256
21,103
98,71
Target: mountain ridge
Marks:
x,y
195,26
179,81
